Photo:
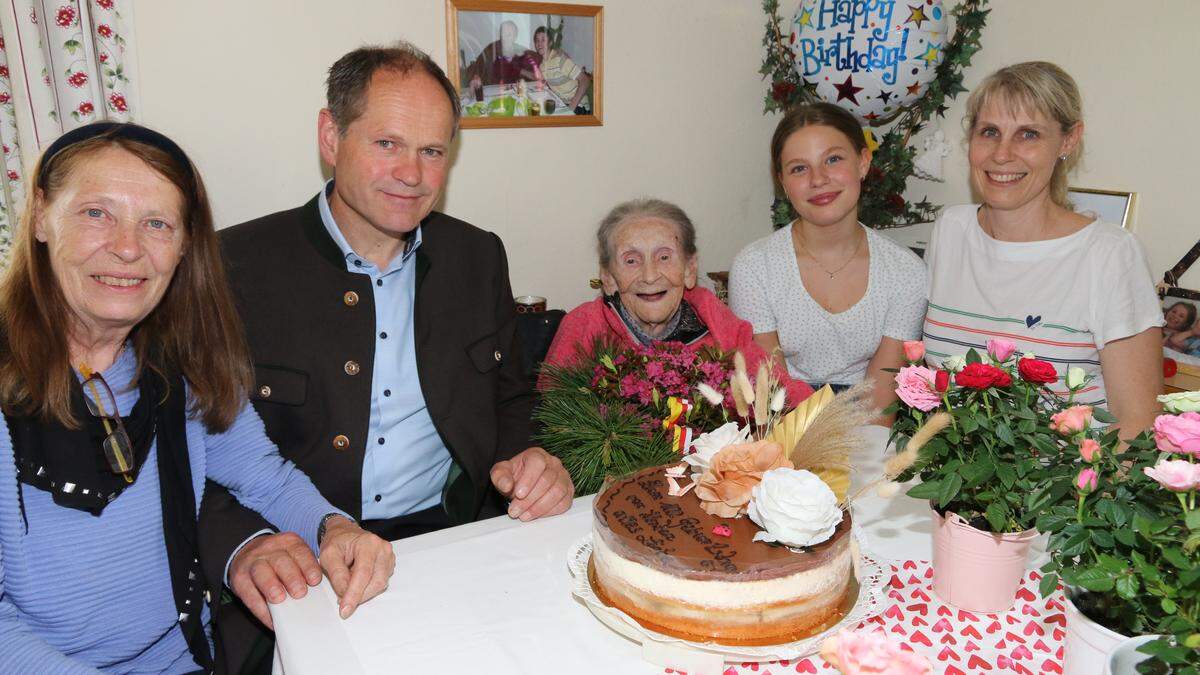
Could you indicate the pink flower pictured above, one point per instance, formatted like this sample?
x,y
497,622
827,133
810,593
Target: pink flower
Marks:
x,y
1072,420
871,653
1088,449
1087,480
1176,475
1000,350
914,350
914,386
1178,433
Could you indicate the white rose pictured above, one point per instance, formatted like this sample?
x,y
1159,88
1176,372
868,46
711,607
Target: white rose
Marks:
x,y
1076,377
794,507
955,363
712,442
1181,402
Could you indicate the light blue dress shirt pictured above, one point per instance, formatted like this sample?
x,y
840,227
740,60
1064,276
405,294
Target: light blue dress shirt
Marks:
x,y
406,464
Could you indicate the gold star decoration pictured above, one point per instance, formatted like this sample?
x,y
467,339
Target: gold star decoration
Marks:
x,y
931,53
916,15
806,17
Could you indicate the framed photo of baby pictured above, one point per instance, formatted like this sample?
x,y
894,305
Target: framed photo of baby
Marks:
x,y
525,64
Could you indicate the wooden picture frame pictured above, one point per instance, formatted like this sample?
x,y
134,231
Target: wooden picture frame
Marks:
x,y
1111,206
538,74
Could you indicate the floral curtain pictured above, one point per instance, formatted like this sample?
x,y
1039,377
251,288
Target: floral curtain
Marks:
x,y
62,65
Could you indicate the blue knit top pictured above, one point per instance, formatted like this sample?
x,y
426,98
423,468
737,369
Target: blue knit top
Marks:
x,y
81,593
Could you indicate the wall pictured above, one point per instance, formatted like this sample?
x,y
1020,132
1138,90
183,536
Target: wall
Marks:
x,y
239,84
1135,66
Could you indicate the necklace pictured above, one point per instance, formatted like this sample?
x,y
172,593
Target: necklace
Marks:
x,y
826,270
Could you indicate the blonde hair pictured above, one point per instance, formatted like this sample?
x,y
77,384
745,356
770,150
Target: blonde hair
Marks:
x,y
1040,86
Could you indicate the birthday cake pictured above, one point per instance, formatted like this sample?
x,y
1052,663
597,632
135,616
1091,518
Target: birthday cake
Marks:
x,y
677,569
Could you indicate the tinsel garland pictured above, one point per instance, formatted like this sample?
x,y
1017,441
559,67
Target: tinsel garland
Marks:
x,y
882,203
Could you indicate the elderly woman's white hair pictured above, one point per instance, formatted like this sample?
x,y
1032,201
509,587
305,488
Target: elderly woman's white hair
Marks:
x,y
644,207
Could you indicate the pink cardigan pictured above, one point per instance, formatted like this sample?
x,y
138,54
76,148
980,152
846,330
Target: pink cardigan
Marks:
x,y
582,325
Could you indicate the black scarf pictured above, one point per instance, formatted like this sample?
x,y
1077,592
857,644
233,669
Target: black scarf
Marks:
x,y
686,325
70,465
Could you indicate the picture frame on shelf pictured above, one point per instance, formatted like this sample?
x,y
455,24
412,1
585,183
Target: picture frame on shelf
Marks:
x,y
526,64
1111,206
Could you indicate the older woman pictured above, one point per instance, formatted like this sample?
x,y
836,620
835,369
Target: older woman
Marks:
x,y
648,269
1023,266
123,382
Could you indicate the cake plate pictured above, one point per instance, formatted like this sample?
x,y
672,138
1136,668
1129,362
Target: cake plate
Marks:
x,y
871,600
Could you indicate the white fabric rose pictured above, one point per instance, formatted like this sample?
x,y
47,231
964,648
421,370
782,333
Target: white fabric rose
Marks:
x,y
794,507
955,363
1181,402
712,442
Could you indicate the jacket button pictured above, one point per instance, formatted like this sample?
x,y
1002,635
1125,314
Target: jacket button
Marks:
x,y
340,442
264,391
497,355
350,298
351,367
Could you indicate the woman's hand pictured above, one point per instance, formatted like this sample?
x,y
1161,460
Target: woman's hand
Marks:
x,y
358,563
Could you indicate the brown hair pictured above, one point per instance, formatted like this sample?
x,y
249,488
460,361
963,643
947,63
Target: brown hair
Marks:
x,y
1035,86
814,114
350,76
194,330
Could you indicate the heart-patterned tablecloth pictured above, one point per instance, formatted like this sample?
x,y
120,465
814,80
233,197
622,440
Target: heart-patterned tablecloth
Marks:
x,y
1027,639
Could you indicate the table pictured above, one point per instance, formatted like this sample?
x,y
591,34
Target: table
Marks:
x,y
492,92
495,596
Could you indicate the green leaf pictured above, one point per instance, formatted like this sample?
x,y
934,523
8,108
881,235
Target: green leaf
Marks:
x,y
1192,519
1168,605
1048,585
1103,415
1126,537
1127,586
1177,558
1095,580
950,489
977,472
997,517
1008,476
1102,538
973,356
925,490
1004,433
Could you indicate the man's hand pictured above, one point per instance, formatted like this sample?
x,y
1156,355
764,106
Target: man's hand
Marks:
x,y
358,563
536,482
269,569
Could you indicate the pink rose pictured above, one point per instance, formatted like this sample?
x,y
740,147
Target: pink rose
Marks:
x,y
1000,350
1087,480
871,653
1178,433
1088,449
1176,475
914,350
1072,420
914,386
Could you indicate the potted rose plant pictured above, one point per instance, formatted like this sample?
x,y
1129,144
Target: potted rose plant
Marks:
x,y
1125,539
980,473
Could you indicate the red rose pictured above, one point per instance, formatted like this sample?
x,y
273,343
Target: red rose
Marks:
x,y
117,103
1170,367
77,79
65,17
105,4
104,31
1037,372
86,108
895,203
941,380
982,376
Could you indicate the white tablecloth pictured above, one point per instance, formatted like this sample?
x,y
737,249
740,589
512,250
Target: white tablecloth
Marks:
x,y
494,596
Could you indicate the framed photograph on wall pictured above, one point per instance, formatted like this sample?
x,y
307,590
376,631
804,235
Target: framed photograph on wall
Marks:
x,y
1111,206
525,64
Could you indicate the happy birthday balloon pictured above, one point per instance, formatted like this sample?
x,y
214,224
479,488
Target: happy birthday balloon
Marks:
x,y
872,57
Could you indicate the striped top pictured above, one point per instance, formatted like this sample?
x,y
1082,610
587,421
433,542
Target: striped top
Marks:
x,y
1061,299
82,593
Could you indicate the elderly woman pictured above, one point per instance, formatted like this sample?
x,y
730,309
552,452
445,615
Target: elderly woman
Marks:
x,y
123,382
1023,266
648,266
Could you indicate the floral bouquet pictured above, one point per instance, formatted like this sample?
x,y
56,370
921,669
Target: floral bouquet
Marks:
x,y
1125,529
987,459
627,408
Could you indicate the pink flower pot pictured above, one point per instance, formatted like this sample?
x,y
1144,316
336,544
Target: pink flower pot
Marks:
x,y
975,570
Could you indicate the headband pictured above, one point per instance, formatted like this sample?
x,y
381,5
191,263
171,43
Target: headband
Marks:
x,y
127,130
